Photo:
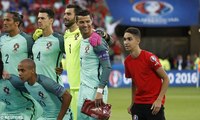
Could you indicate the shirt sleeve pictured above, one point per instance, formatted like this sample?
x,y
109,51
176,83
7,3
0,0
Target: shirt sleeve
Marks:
x,y
18,83
127,73
103,55
51,86
30,43
2,34
154,62
61,41
1,67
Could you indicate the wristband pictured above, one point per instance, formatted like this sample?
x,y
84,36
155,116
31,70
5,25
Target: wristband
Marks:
x,y
100,90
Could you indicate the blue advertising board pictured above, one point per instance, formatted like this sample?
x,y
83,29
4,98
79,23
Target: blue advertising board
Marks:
x,y
177,77
155,13
183,77
117,77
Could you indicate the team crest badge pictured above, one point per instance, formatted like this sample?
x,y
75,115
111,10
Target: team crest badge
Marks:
x,y
76,36
87,49
49,44
41,94
15,47
6,90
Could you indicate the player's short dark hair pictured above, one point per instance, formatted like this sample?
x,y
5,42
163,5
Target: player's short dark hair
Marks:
x,y
16,17
83,13
77,8
134,31
49,12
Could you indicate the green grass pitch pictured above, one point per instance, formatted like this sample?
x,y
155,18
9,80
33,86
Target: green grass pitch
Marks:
x,y
182,103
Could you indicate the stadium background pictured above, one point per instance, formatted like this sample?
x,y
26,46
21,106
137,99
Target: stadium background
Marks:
x,y
180,35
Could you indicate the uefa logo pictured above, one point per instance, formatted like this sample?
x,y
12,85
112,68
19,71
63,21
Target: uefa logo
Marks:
x,y
152,8
153,58
115,78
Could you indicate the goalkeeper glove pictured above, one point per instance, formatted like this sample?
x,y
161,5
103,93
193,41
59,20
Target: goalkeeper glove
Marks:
x,y
95,39
38,33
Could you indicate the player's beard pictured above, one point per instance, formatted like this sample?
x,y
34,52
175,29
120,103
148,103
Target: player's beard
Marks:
x,y
70,23
6,29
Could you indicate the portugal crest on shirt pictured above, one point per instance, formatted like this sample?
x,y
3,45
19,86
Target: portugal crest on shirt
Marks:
x,y
48,45
76,36
87,48
41,94
15,47
6,90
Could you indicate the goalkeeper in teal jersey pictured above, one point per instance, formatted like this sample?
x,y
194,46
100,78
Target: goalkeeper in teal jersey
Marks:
x,y
48,50
15,101
53,97
95,64
15,45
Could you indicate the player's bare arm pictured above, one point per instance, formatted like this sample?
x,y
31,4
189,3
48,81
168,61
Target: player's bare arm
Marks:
x,y
133,89
157,104
66,99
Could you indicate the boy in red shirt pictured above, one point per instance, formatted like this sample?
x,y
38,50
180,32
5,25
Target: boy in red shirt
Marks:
x,y
149,80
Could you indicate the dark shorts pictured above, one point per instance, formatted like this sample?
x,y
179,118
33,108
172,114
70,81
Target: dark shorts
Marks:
x,y
144,112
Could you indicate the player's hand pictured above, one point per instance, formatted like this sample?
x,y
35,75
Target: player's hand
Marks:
x,y
101,33
129,109
95,39
156,106
59,70
98,99
105,35
38,33
5,75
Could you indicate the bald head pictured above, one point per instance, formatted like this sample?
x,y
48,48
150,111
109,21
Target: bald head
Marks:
x,y
28,63
26,70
